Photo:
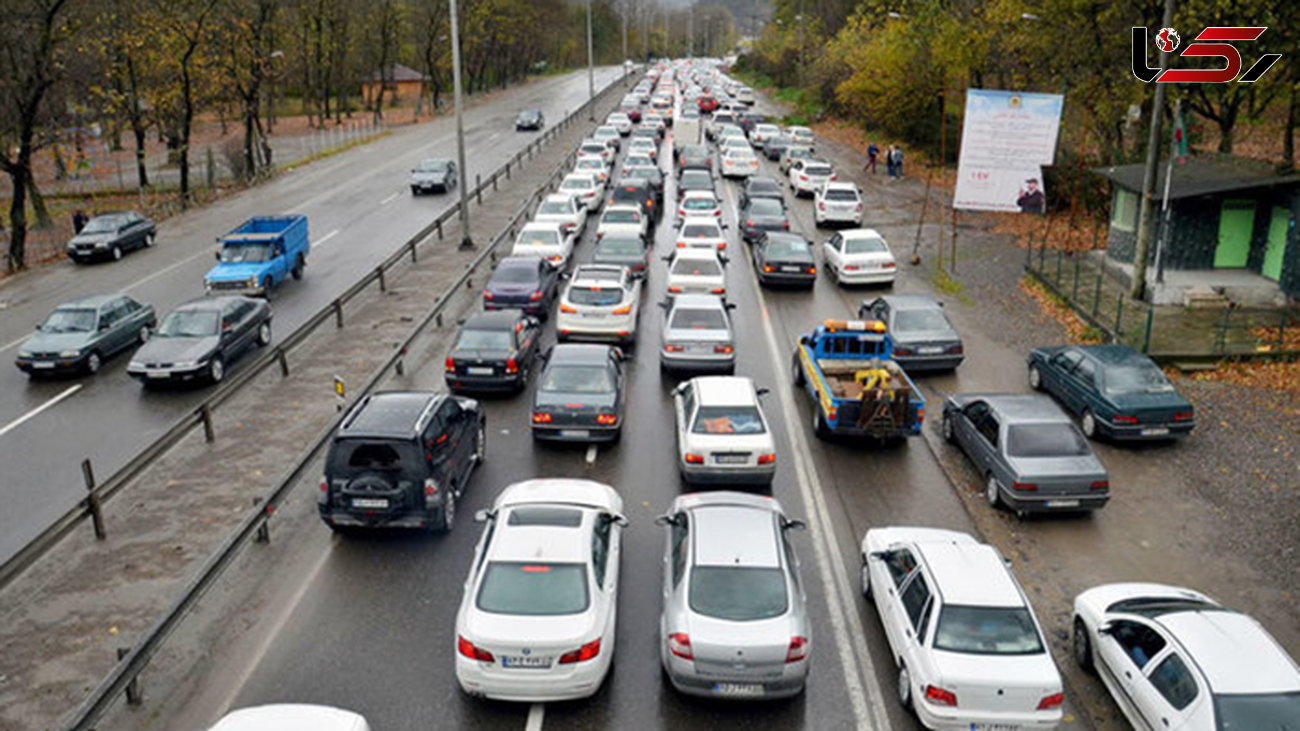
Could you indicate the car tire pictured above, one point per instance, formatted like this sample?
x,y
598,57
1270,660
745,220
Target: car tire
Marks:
x,y
946,425
1088,423
1035,378
150,239
796,372
1082,647
299,264
865,579
216,369
116,253
904,688
415,191
992,493
93,362
447,516
820,427
264,334
142,337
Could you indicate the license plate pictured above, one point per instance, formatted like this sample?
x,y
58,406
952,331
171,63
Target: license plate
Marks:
x,y
738,688
1062,503
994,727
731,458
525,661
478,371
369,503
791,269
1155,432
42,364
930,350
575,433
158,374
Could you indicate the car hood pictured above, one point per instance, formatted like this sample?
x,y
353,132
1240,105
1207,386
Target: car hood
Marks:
x,y
235,271
42,342
561,398
1043,467
172,350
95,238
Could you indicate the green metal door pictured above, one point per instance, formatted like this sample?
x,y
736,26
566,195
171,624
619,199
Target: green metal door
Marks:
x,y
1277,229
1236,219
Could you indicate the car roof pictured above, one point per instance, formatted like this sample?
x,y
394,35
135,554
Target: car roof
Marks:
x,y
725,391
840,185
534,225
389,414
622,207
561,197
761,181
542,542
494,320
560,491
579,353
735,534
1234,652
1025,407
291,717
971,574
695,253
861,233
91,300
699,220
206,303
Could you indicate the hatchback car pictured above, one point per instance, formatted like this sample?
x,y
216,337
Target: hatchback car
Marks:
x,y
784,258
530,119
80,335
586,188
924,338
739,163
526,283
493,350
637,192
433,175
763,215
402,459
1032,457
837,202
546,240
109,235
792,155
200,338
565,210
859,256
701,232
969,650
602,302
1116,391
537,618
696,271
722,434
623,250
734,621
697,335
579,395
807,176
1175,658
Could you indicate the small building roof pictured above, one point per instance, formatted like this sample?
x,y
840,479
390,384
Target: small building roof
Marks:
x,y
1198,176
397,72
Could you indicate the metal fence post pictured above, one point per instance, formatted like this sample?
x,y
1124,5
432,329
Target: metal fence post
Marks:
x,y
1042,252
205,415
338,312
283,360
414,243
133,695
263,534
1146,337
1096,297
478,188
1029,250
1119,316
92,500
1221,344
379,272
439,222
1059,254
1075,297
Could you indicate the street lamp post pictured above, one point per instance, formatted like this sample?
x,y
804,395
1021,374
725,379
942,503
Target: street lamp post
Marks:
x,y
466,241
591,71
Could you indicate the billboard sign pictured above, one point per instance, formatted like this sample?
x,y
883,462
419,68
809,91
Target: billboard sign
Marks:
x,y
1006,138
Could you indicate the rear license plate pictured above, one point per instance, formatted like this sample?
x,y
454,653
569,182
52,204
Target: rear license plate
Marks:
x,y
370,503
478,371
1155,432
731,458
575,433
930,350
525,661
791,269
42,364
1062,503
738,688
158,374
994,727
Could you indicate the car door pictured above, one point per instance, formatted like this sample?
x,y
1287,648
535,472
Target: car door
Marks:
x,y
604,567
916,601
1168,692
526,340
1082,385
105,329
438,449
1057,368
986,444
126,323
460,440
1126,650
831,252
964,428
684,404
889,574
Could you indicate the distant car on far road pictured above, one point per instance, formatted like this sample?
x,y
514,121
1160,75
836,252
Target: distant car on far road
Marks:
x,y
530,119
200,338
109,235
80,335
433,175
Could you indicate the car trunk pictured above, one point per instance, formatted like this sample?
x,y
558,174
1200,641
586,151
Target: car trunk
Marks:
x,y
752,651
999,683
574,409
1072,476
530,643
1151,408
480,362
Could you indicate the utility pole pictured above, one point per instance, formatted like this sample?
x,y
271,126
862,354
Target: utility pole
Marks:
x,y
591,71
623,11
1146,217
690,31
466,242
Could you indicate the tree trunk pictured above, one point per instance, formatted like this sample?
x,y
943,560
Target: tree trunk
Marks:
x,y
1288,136
18,173
141,171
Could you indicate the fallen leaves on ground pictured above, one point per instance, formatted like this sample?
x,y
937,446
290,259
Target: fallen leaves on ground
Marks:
x,y
1278,375
1076,329
1290,338
1063,231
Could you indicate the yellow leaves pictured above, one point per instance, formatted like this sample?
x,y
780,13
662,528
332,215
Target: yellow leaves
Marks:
x,y
1076,329
1278,376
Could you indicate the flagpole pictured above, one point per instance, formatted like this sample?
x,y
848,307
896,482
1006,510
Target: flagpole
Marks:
x,y
1176,145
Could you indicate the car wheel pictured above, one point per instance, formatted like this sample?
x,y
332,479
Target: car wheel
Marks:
x,y
143,336
216,369
947,429
1089,424
264,334
415,190
866,579
796,371
480,444
93,362
820,427
1035,378
1082,646
904,688
117,253
448,512
992,493
149,239
299,265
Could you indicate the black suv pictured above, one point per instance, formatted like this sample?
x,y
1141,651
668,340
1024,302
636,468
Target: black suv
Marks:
x,y
401,459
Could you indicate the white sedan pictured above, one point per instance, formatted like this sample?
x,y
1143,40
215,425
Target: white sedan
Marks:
x,y
969,650
594,165
701,232
602,302
737,163
291,717
586,187
537,618
838,201
698,203
696,271
722,434
547,240
565,210
859,256
807,176
1174,658
623,219
762,133
620,122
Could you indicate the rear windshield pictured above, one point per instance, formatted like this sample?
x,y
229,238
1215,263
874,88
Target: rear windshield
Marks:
x,y
728,420
840,194
701,231
485,340
369,455
818,170
864,246
1256,711
696,179
700,204
533,589
616,216
738,593
1137,379
685,319
788,248
638,161
554,207
540,237
1046,440
697,267
920,320
578,379
766,207
620,246
987,631
515,275
591,163
598,297
578,184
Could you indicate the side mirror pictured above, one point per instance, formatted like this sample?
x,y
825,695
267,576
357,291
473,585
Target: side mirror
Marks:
x,y
484,516
1107,628
666,520
789,524
730,305
664,304
878,555
216,255
724,259
104,325
762,391
621,520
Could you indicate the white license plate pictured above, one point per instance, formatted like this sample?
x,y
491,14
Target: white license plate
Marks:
x,y
525,661
158,374
930,350
1062,503
730,458
42,364
738,688
478,371
575,433
994,727
1155,432
791,269
370,503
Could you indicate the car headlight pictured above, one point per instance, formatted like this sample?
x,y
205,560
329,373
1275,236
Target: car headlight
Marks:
x,y
69,353
252,280
24,354
184,364
101,244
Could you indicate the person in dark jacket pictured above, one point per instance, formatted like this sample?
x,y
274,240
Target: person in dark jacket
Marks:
x,y
79,220
1031,199
872,153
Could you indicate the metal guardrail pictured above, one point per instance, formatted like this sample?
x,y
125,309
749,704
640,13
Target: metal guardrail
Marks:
x,y
123,677
201,415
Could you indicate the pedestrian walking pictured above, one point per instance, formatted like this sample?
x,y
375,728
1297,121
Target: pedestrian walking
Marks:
x,y
889,163
898,161
79,220
872,152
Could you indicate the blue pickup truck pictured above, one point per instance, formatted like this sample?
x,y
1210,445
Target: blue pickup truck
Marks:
x,y
258,255
857,388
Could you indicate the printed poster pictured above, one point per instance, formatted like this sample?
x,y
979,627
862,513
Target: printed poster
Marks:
x,y
1006,138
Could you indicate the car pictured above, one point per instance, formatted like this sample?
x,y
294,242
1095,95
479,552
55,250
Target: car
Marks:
x,y
1116,391
970,651
698,203
78,336
730,132
610,134
697,335
527,283
837,202
624,219
696,271
1175,658
735,622
620,122
433,175
593,165
643,146
781,257
722,435
774,145
601,148
761,215
200,338
658,122
632,109
1032,458
579,395
718,121
565,210
530,119
924,338
586,188
623,250
694,157
738,163
636,161
859,256
793,154
546,239
749,119
109,235
291,717
745,95
803,136
649,131
807,176
761,132
493,351
707,103
760,186
637,192
733,143
602,302
652,175
701,232
692,180
537,617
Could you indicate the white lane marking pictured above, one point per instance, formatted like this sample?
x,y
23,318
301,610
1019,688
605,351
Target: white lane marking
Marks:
x,y
22,419
390,199
536,713
324,238
165,270
591,454
15,343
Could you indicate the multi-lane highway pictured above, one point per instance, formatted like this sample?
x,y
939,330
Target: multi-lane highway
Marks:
x,y
359,212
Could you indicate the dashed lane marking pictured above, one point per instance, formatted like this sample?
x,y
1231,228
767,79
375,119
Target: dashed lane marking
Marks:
x,y
536,714
324,238
23,419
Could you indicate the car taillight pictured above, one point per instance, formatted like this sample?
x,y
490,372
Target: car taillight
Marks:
x,y
1025,486
722,245
1100,485
803,177
555,258
821,206
785,225
749,223
681,244
768,268
624,310
467,648
1183,416
812,270
681,212
798,649
670,348
675,289
832,412
888,265
541,417
1051,701
449,365
535,296
607,419
956,349
487,295
1120,419
859,208
582,654
718,290
430,487
935,694
324,485
834,177
692,458
600,235
724,349
512,365
769,458
851,267
568,310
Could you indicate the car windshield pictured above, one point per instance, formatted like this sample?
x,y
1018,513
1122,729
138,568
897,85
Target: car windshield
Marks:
x,y
245,253
597,148
738,593
103,224
533,589
1136,379
868,245
515,275
539,237
69,321
697,319
840,194
596,296
987,631
485,340
578,379
787,247
920,320
728,420
619,246
616,216
697,267
1256,711
432,166
700,231
766,207
1046,440
796,153
189,324
554,208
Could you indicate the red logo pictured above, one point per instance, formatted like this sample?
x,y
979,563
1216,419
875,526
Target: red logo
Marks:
x,y
1210,45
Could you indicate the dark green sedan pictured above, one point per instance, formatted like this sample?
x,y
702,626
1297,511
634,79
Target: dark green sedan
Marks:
x,y
1116,391
80,335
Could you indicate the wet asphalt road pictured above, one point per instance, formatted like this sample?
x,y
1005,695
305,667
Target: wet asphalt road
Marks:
x,y
359,212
